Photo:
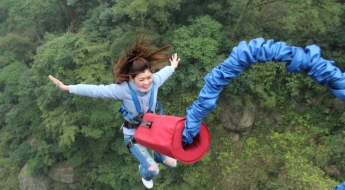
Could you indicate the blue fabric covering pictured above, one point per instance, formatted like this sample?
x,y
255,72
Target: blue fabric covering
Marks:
x,y
258,50
340,186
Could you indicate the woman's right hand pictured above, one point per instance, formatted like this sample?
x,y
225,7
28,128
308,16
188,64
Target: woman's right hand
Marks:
x,y
58,83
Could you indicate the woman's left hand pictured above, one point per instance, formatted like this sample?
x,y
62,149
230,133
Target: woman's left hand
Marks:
x,y
58,83
174,60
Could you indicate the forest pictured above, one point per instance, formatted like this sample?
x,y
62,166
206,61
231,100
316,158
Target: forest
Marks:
x,y
271,129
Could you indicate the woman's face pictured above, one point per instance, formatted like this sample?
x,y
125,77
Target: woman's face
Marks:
x,y
143,80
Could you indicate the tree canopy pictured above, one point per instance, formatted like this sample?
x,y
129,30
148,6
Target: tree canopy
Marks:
x,y
296,140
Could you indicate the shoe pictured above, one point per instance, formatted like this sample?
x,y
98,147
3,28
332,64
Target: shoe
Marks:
x,y
147,184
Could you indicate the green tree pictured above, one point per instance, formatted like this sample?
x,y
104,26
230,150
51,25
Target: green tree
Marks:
x,y
14,47
141,12
20,115
84,131
34,18
73,59
198,44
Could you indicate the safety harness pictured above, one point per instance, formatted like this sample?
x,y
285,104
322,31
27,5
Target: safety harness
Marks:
x,y
134,121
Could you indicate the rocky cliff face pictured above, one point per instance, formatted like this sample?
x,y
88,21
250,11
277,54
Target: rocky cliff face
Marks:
x,y
29,182
239,120
60,172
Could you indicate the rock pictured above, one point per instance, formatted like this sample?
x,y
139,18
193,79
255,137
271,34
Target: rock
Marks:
x,y
278,117
327,110
32,140
289,128
235,137
238,120
294,104
247,119
74,185
338,105
62,172
29,182
332,170
268,120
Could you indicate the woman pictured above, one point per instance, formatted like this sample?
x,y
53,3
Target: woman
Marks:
x,y
133,72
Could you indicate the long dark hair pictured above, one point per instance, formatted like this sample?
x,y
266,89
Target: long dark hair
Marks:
x,y
141,56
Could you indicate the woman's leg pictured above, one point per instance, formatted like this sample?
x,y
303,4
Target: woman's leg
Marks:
x,y
148,167
166,160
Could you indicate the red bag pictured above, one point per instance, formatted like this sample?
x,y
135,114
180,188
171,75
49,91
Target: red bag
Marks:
x,y
163,134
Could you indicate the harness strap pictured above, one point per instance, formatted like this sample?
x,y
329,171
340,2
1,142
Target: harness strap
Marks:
x,y
137,119
159,107
151,98
135,99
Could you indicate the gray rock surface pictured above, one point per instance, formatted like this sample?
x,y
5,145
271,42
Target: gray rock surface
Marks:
x,y
29,182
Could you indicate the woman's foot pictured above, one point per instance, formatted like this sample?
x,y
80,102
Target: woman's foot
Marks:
x,y
147,184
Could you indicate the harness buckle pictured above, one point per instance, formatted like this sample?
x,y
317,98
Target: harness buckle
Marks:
x,y
130,125
146,124
139,117
130,144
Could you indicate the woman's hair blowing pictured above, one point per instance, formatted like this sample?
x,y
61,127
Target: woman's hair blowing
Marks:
x,y
141,56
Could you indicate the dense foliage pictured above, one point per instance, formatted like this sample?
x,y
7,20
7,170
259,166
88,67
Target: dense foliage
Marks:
x,y
75,40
